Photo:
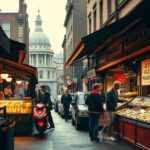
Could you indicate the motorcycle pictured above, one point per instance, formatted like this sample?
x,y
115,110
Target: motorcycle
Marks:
x,y
40,118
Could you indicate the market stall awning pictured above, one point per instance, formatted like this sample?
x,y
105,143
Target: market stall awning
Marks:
x,y
18,70
4,43
11,49
97,40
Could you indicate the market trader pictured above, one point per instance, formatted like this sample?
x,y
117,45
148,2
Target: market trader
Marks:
x,y
45,99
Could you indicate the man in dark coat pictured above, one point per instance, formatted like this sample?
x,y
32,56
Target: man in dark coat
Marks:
x,y
95,108
47,101
66,100
111,104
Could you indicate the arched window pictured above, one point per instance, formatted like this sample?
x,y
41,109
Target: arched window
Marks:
x,y
41,74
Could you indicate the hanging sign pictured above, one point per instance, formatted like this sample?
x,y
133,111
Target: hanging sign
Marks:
x,y
119,76
146,72
91,74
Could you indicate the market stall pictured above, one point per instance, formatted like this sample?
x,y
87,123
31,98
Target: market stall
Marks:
x,y
21,80
133,122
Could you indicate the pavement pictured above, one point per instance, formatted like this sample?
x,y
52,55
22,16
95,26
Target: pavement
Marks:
x,y
64,137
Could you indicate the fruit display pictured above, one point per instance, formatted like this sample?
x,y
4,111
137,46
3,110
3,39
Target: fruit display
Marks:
x,y
17,107
137,114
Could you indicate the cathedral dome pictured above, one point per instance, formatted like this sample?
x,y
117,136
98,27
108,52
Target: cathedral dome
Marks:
x,y
38,37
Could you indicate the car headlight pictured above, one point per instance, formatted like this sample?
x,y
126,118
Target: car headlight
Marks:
x,y
83,113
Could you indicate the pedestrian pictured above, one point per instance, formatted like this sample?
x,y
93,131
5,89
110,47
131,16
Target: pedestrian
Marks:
x,y
103,99
66,100
95,108
111,105
45,99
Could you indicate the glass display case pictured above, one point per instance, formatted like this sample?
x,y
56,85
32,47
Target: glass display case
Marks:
x,y
138,109
133,122
17,106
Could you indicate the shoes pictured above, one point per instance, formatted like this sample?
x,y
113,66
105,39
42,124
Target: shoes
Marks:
x,y
96,139
51,127
101,136
110,138
92,139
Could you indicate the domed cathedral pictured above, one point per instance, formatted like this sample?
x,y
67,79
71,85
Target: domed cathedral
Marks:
x,y
41,56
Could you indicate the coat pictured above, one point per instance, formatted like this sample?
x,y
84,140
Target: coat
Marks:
x,y
66,100
45,99
94,102
112,100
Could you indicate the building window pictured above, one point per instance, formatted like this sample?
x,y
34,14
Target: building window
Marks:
x,y
109,8
48,60
95,17
48,74
90,23
101,13
41,60
41,74
6,28
33,57
120,1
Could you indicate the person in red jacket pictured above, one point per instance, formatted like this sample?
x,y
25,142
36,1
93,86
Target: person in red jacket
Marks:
x,y
95,108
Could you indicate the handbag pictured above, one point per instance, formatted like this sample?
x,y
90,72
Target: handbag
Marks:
x,y
104,119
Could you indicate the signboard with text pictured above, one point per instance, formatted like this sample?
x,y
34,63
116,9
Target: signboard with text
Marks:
x,y
146,72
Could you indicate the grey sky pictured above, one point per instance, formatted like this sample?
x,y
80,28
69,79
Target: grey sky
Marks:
x,y
52,13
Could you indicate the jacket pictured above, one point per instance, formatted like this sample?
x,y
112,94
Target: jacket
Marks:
x,y
112,100
45,99
66,100
94,102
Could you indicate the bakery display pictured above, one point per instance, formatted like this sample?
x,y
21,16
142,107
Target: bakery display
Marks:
x,y
17,107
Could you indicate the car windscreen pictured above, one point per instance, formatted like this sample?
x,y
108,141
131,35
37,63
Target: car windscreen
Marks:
x,y
81,99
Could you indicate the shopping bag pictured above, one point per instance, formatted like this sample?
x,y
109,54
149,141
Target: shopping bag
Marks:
x,y
104,119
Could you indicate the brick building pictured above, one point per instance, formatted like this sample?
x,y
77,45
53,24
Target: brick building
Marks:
x,y
15,25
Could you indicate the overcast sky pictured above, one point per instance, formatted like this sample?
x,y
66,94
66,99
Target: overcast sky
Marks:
x,y
52,13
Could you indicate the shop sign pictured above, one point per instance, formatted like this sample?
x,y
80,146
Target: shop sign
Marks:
x,y
146,72
119,76
135,38
114,49
91,73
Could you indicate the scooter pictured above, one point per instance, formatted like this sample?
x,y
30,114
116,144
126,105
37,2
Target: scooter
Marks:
x,y
40,118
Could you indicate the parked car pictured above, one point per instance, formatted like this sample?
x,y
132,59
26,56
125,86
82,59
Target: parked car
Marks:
x,y
53,101
80,116
57,101
61,109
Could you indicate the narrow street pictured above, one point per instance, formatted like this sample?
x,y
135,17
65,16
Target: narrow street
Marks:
x,y
64,137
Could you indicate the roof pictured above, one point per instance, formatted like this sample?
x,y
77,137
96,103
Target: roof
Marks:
x,y
95,41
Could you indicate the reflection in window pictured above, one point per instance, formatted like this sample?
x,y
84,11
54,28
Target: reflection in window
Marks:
x,y
6,28
41,74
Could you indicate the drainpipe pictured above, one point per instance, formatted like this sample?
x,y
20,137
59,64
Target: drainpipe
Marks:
x,y
116,10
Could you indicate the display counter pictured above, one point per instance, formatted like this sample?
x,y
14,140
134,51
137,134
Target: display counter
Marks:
x,y
133,122
21,112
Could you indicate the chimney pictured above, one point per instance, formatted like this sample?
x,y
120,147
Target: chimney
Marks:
x,y
21,2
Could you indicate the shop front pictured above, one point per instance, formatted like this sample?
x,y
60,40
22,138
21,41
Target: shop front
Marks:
x,y
122,51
